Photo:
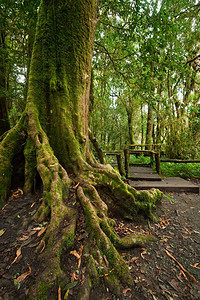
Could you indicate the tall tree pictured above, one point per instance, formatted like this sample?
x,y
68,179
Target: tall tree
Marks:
x,y
4,122
54,126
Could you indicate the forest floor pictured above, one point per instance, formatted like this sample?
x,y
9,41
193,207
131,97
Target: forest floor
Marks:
x,y
167,269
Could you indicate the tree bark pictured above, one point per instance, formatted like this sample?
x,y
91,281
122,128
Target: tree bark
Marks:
x,y
149,131
130,127
4,122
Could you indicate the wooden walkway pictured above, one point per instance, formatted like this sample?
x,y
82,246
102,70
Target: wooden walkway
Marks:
x,y
143,178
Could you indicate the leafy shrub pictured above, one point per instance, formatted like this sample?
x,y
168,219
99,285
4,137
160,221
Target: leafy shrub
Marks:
x,y
189,170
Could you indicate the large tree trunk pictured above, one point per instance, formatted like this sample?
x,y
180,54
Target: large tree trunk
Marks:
x,y
55,125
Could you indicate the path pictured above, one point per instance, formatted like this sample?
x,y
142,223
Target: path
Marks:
x,y
143,178
155,274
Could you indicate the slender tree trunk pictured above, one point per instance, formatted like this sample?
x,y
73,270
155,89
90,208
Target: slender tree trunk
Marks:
x,y
142,125
149,126
158,127
4,122
130,127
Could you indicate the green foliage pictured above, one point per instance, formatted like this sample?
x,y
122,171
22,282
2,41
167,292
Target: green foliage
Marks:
x,y
144,56
169,198
189,170
139,159
17,28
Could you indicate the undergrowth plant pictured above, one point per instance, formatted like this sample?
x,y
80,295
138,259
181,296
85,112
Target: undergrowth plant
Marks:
x,y
189,170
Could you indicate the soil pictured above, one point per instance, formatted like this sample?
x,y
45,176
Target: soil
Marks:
x,y
167,269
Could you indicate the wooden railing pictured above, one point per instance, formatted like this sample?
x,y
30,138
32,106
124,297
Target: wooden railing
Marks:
x,y
151,147
184,161
153,153
119,155
154,157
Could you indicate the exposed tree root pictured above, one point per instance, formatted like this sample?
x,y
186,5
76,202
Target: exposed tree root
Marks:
x,y
8,147
100,189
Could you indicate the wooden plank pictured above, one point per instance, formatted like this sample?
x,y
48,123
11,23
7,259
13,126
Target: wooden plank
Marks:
x,y
131,151
139,164
142,173
170,184
179,160
113,152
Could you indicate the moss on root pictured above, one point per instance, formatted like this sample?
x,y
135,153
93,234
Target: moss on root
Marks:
x,y
8,148
104,257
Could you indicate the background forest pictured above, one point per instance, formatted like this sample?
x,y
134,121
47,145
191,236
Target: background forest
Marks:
x,y
146,78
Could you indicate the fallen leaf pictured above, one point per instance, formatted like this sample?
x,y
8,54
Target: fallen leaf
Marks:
x,y
181,267
75,253
183,274
189,231
132,259
195,266
23,238
75,187
24,275
17,193
152,295
66,295
105,275
18,253
59,293
2,231
74,277
164,240
36,228
144,251
44,245
125,291
42,231
3,208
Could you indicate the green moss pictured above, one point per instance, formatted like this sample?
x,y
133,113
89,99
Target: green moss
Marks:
x,y
113,283
135,241
8,148
30,164
44,287
92,271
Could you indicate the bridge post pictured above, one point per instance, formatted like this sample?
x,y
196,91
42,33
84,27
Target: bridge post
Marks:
x,y
120,164
157,158
127,159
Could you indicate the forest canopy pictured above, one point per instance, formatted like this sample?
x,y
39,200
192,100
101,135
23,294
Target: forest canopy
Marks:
x,y
125,72
145,71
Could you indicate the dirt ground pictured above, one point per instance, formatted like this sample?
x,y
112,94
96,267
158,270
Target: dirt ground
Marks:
x,y
167,269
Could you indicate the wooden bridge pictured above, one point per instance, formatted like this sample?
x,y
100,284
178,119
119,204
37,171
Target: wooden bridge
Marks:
x,y
143,177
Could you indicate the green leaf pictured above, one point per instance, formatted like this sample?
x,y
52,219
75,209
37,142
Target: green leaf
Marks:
x,y
71,285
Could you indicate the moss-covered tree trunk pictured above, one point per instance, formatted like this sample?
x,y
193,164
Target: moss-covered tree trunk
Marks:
x,y
55,127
